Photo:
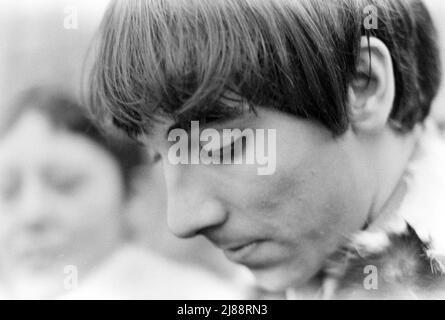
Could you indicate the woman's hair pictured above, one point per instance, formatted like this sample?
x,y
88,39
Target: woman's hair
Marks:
x,y
172,57
64,112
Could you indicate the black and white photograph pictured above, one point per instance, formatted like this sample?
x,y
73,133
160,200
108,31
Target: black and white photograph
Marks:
x,y
240,151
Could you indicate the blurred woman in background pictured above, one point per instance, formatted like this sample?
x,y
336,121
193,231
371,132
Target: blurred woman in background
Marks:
x,y
64,189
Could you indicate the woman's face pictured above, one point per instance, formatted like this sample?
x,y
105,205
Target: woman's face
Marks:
x,y
61,196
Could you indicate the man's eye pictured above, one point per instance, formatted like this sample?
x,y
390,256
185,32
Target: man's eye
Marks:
x,y
229,140
227,148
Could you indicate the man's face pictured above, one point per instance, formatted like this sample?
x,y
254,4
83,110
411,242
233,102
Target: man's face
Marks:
x,y
281,226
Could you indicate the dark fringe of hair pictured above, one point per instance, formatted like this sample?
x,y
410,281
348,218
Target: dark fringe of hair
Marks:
x,y
171,58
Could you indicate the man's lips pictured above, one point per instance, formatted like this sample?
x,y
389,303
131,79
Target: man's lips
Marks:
x,y
242,253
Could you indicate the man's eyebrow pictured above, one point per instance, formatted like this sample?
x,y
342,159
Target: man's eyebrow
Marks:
x,y
217,115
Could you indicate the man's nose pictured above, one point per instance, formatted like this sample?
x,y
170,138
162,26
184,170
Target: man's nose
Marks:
x,y
192,206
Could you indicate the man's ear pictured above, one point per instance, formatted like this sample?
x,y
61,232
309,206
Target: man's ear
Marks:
x,y
372,91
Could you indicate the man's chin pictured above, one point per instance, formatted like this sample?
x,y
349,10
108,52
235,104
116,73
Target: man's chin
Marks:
x,y
277,280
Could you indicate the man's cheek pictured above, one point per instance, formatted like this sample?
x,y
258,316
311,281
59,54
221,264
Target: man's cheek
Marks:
x,y
285,186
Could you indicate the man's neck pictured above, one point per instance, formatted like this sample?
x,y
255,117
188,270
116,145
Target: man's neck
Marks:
x,y
394,154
